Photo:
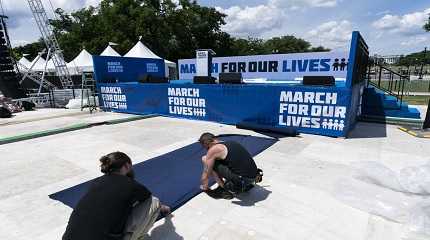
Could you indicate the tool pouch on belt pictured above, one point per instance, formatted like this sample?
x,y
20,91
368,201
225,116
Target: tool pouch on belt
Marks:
x,y
259,177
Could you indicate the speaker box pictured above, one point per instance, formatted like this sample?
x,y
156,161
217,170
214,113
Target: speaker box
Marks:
x,y
230,78
148,78
28,106
319,80
204,80
5,113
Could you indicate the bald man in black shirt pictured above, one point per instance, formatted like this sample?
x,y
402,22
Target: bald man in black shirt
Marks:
x,y
230,164
116,207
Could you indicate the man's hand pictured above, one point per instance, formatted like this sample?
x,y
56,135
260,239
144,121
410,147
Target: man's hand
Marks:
x,y
208,163
204,188
165,210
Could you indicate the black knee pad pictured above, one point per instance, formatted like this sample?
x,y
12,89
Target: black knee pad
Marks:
x,y
230,186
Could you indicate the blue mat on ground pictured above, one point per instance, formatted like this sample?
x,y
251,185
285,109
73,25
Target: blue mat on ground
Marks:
x,y
173,177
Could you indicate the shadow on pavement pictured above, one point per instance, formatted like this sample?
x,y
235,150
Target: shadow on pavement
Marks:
x,y
369,130
165,231
255,195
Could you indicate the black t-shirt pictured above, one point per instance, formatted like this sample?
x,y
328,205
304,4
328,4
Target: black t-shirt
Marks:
x,y
239,160
104,209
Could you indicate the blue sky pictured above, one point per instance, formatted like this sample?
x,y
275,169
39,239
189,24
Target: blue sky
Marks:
x,y
389,26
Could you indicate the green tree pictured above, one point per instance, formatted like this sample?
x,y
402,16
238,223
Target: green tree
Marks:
x,y
414,59
427,25
32,49
172,32
286,44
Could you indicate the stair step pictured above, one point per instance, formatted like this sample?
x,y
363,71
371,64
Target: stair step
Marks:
x,y
404,112
377,103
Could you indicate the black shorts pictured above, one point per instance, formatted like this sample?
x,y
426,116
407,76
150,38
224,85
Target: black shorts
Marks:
x,y
233,181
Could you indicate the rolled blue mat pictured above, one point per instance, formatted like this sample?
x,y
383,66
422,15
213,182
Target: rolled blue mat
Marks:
x,y
173,177
286,131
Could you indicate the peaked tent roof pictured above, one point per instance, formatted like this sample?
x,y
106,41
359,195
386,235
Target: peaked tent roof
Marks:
x,y
141,51
24,61
82,62
39,64
51,66
109,51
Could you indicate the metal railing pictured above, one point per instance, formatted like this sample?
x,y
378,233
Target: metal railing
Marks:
x,y
387,80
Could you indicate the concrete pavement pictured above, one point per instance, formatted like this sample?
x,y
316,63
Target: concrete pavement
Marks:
x,y
295,200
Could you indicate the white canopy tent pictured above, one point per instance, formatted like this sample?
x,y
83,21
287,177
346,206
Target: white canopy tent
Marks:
x,y
109,51
84,61
24,62
81,63
141,51
38,64
51,66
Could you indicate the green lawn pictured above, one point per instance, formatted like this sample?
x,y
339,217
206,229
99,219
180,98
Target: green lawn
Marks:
x,y
419,86
414,86
416,100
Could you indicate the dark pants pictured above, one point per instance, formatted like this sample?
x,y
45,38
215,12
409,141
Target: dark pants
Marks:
x,y
233,182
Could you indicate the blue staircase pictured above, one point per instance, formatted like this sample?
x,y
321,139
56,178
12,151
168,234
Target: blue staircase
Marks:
x,y
377,103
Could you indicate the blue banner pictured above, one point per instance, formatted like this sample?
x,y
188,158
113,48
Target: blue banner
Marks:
x,y
274,66
316,110
126,69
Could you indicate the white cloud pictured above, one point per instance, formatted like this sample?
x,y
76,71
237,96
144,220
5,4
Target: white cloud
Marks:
x,y
300,4
406,24
415,40
383,13
19,12
333,34
252,21
255,21
19,42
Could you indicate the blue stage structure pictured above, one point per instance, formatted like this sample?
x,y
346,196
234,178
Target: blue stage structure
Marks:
x,y
329,111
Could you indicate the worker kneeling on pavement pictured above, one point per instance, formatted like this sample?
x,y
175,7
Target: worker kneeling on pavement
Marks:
x,y
116,207
230,164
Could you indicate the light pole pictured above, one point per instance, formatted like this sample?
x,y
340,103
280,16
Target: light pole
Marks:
x,y
422,64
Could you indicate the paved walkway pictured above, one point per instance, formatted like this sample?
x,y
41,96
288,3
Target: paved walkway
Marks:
x,y
295,201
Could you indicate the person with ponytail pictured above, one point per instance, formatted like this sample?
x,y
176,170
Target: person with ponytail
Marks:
x,y
116,207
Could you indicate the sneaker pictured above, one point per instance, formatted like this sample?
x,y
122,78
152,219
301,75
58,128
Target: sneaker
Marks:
x,y
219,193
226,194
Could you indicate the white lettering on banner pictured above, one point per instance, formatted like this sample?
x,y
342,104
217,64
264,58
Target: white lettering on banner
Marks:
x,y
113,67
151,67
186,102
272,67
309,97
311,110
113,98
184,92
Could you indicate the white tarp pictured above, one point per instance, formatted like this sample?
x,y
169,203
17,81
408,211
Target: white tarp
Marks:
x,y
141,51
401,195
109,51
81,63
